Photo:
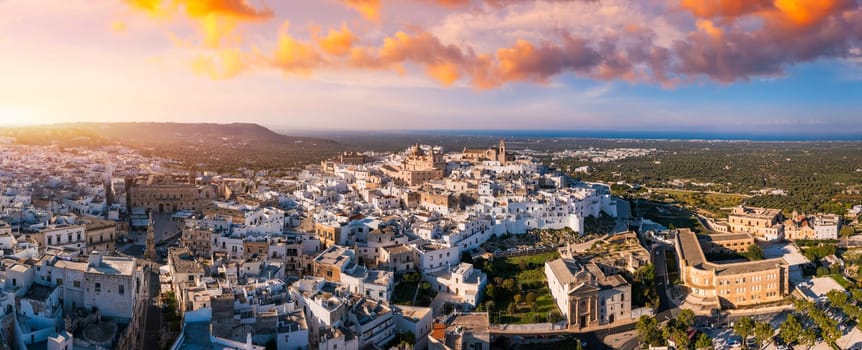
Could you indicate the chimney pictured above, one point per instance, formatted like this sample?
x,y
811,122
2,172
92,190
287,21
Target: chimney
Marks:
x,y
95,259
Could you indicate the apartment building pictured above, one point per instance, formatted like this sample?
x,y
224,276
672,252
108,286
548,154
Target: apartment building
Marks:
x,y
716,285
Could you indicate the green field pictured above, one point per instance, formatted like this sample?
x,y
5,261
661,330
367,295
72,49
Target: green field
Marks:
x,y
669,215
709,204
522,276
404,291
841,281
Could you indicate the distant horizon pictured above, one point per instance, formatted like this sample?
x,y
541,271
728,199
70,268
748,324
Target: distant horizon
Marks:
x,y
692,134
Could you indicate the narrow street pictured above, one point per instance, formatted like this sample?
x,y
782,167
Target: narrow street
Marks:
x,y
152,313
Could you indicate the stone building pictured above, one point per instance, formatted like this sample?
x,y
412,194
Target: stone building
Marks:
x,y
586,296
162,194
727,243
717,285
763,223
493,154
101,235
106,283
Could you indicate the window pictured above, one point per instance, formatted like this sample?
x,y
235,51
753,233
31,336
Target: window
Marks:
x,y
121,289
191,278
59,281
98,287
77,284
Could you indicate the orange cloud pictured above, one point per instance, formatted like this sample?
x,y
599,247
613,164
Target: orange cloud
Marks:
x,y
370,9
239,9
724,8
337,42
446,73
118,26
806,12
224,64
710,29
216,19
293,56
788,13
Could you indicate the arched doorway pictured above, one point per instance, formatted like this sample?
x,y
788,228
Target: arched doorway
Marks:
x,y
611,319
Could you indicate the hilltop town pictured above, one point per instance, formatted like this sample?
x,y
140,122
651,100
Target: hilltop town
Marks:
x,y
423,248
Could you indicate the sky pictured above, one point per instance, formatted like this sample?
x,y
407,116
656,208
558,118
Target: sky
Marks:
x,y
752,66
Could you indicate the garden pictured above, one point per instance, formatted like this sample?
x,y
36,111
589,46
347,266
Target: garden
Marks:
x,y
517,290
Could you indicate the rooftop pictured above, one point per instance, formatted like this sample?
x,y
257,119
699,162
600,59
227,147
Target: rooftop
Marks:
x,y
110,265
691,250
39,292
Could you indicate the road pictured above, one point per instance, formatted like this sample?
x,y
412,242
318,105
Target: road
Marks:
x,y
663,282
152,313
593,339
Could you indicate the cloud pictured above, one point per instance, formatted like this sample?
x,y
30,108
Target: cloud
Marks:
x,y
294,56
370,9
118,26
217,20
485,44
337,42
724,8
791,32
238,9
224,64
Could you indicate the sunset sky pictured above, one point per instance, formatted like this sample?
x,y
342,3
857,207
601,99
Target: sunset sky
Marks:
x,y
721,65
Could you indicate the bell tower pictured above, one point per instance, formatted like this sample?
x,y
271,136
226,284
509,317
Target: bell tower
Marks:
x,y
501,152
150,253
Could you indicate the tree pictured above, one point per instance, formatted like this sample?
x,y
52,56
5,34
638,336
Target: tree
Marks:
x,y
744,327
837,298
509,284
703,342
791,329
648,330
531,297
512,308
517,298
679,337
686,318
762,332
754,252
808,337
490,305
408,338
846,232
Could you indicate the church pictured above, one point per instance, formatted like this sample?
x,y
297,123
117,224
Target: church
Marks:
x,y
493,154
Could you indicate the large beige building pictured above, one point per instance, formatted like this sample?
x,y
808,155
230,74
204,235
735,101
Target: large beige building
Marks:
x,y
586,295
493,154
162,193
418,167
714,285
762,223
726,243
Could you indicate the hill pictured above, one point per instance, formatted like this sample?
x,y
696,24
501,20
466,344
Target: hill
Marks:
x,y
221,147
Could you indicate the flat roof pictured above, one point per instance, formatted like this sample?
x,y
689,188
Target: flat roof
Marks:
x,y
39,292
719,237
691,250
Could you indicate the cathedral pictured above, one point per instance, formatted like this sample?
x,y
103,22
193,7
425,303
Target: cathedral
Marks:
x,y
478,155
